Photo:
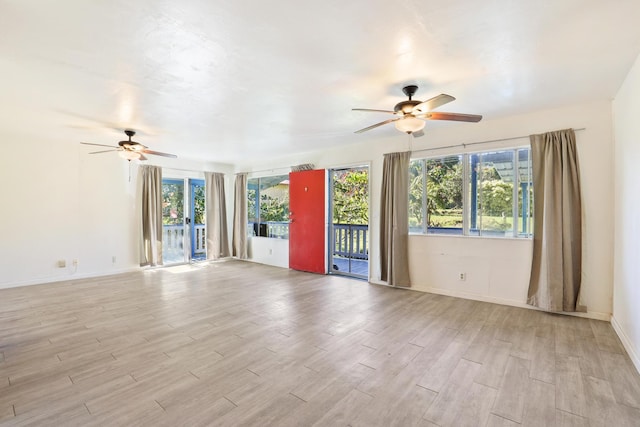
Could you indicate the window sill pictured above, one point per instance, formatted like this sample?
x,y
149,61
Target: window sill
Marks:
x,y
460,236
268,238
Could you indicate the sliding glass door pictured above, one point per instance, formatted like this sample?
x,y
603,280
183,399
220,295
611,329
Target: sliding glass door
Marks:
x,y
349,230
183,220
197,219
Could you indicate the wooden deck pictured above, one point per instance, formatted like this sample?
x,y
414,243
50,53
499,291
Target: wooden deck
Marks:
x,y
237,343
359,267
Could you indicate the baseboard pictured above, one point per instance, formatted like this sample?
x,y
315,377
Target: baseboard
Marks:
x,y
503,301
626,342
70,277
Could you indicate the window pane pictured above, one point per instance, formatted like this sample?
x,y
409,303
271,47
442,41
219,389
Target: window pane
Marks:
x,y
444,195
416,196
525,194
252,200
491,192
172,202
274,198
274,206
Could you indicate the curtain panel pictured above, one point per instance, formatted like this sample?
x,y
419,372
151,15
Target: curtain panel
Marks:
x,y
556,268
394,220
150,178
216,216
240,249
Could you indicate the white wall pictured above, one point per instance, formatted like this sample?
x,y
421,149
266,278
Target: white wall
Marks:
x,y
59,203
626,295
265,250
497,269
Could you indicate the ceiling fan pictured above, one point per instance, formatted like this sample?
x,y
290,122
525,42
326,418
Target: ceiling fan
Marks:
x,y
412,113
129,149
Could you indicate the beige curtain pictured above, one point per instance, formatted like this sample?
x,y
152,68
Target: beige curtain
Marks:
x,y
557,238
216,216
150,178
240,249
394,220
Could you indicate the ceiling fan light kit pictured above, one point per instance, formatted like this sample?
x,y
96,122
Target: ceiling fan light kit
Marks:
x,y
129,155
413,113
409,124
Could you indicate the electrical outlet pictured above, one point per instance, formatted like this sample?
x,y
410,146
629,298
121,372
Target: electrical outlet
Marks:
x,y
270,251
113,259
62,263
462,276
75,262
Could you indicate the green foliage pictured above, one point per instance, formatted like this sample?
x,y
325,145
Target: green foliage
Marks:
x,y
497,198
199,206
444,194
274,199
274,208
416,193
172,203
351,196
251,205
444,191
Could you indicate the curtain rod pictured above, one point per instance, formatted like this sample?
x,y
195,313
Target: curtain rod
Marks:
x,y
182,170
188,170
478,143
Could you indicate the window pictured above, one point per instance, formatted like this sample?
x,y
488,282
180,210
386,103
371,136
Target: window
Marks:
x,y
479,194
439,208
268,206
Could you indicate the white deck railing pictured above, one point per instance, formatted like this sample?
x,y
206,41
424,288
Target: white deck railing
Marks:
x,y
350,241
173,238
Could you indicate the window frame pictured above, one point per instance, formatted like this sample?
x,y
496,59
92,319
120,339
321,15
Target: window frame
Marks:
x,y
514,233
271,229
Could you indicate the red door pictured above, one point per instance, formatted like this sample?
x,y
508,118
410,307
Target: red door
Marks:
x,y
307,230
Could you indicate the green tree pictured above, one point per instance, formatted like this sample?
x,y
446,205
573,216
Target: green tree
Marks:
x,y
496,194
351,196
416,193
274,208
199,204
444,192
251,204
172,203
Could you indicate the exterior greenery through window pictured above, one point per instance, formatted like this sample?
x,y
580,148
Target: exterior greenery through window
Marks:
x,y
479,194
268,206
351,196
173,203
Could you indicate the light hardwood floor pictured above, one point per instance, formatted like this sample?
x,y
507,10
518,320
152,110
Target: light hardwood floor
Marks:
x,y
237,343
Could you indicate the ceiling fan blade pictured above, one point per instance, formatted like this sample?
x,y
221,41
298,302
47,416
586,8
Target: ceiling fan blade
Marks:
x,y
142,157
98,145
158,153
418,134
103,151
456,117
433,103
375,111
376,125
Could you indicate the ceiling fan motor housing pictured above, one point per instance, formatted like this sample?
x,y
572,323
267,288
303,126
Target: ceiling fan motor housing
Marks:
x,y
405,107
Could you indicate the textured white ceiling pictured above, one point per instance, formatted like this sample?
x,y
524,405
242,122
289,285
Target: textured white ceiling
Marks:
x,y
223,81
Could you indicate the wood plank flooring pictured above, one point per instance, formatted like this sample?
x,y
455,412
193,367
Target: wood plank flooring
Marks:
x,y
235,343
